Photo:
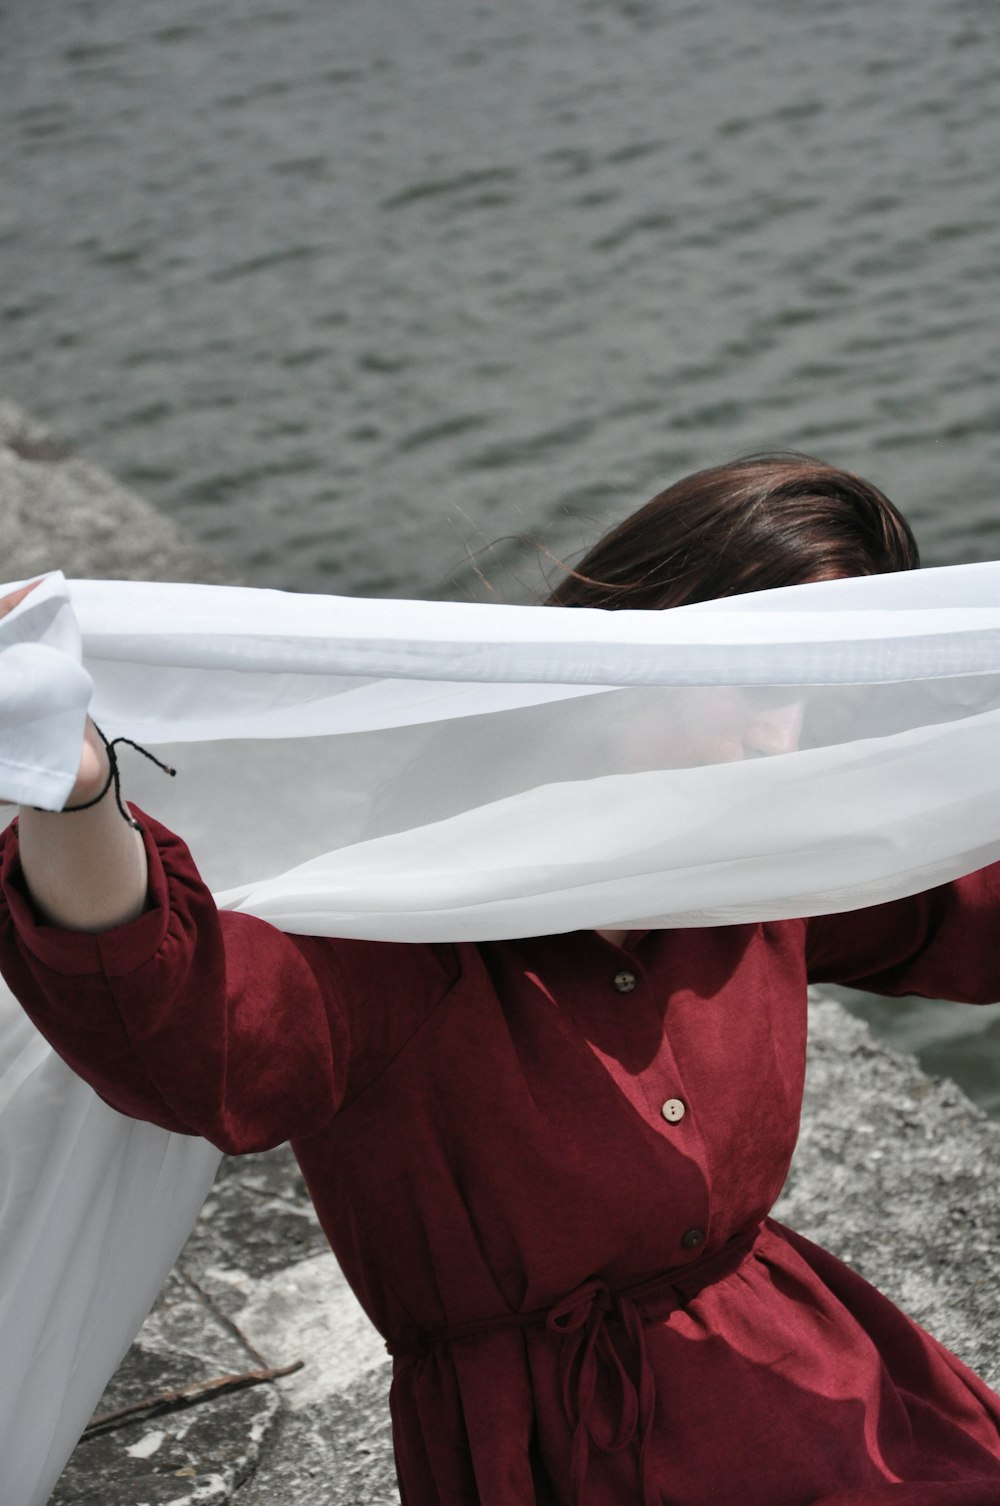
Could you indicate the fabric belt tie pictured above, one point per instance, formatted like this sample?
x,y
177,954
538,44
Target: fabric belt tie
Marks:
x,y
599,1325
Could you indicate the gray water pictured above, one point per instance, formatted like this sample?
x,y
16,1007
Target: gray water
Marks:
x,y
354,290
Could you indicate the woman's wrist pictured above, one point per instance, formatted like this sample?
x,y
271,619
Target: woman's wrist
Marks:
x,y
85,866
94,776
86,871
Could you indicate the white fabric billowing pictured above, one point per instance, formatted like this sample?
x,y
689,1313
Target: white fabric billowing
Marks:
x,y
94,1209
423,771
484,771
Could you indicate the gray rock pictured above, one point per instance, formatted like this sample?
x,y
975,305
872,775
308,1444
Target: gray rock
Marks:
x,y
899,1175
61,512
335,1454
200,1453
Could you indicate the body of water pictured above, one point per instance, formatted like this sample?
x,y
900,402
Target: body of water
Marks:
x,y
356,289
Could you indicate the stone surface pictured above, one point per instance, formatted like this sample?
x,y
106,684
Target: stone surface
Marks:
x,y
338,1453
259,1208
899,1175
201,1453
895,1173
61,512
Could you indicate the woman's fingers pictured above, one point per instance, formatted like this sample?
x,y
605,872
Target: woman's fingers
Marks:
x,y
93,760
94,767
15,598
7,604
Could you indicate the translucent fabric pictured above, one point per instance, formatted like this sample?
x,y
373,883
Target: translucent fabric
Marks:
x,y
427,771
423,771
94,1209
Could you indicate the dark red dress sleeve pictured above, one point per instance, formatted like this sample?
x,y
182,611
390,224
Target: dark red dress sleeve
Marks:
x,y
206,1022
941,944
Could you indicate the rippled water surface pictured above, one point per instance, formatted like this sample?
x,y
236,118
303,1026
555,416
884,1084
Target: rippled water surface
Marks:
x,y
352,289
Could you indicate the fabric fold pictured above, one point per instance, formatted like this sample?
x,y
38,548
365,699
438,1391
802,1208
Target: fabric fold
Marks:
x,y
486,771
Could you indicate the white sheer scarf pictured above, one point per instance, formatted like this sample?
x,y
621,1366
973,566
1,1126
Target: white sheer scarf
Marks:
x,y
422,771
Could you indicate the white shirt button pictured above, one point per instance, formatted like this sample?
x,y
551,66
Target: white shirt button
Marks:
x,y
673,1110
624,981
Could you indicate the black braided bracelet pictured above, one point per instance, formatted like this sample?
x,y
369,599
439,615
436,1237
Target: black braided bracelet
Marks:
x,y
114,778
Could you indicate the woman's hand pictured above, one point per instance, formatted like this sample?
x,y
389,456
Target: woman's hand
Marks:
x,y
15,598
93,770
85,870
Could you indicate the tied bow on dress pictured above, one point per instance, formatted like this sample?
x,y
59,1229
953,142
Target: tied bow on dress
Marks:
x,y
601,1331
588,1342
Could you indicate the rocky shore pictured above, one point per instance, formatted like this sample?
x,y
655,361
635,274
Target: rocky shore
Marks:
x,y
896,1173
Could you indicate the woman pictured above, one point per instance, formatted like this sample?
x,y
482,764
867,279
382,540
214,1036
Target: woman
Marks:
x,y
546,1165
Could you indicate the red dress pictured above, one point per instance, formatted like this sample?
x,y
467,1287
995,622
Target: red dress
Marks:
x,y
509,1144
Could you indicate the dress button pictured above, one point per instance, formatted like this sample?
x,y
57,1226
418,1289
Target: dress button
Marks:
x,y
624,982
673,1110
692,1239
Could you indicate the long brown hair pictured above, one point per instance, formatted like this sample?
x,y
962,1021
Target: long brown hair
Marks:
x,y
754,524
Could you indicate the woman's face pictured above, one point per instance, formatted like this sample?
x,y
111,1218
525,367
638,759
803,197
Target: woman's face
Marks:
x,y
644,730
727,724
679,728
